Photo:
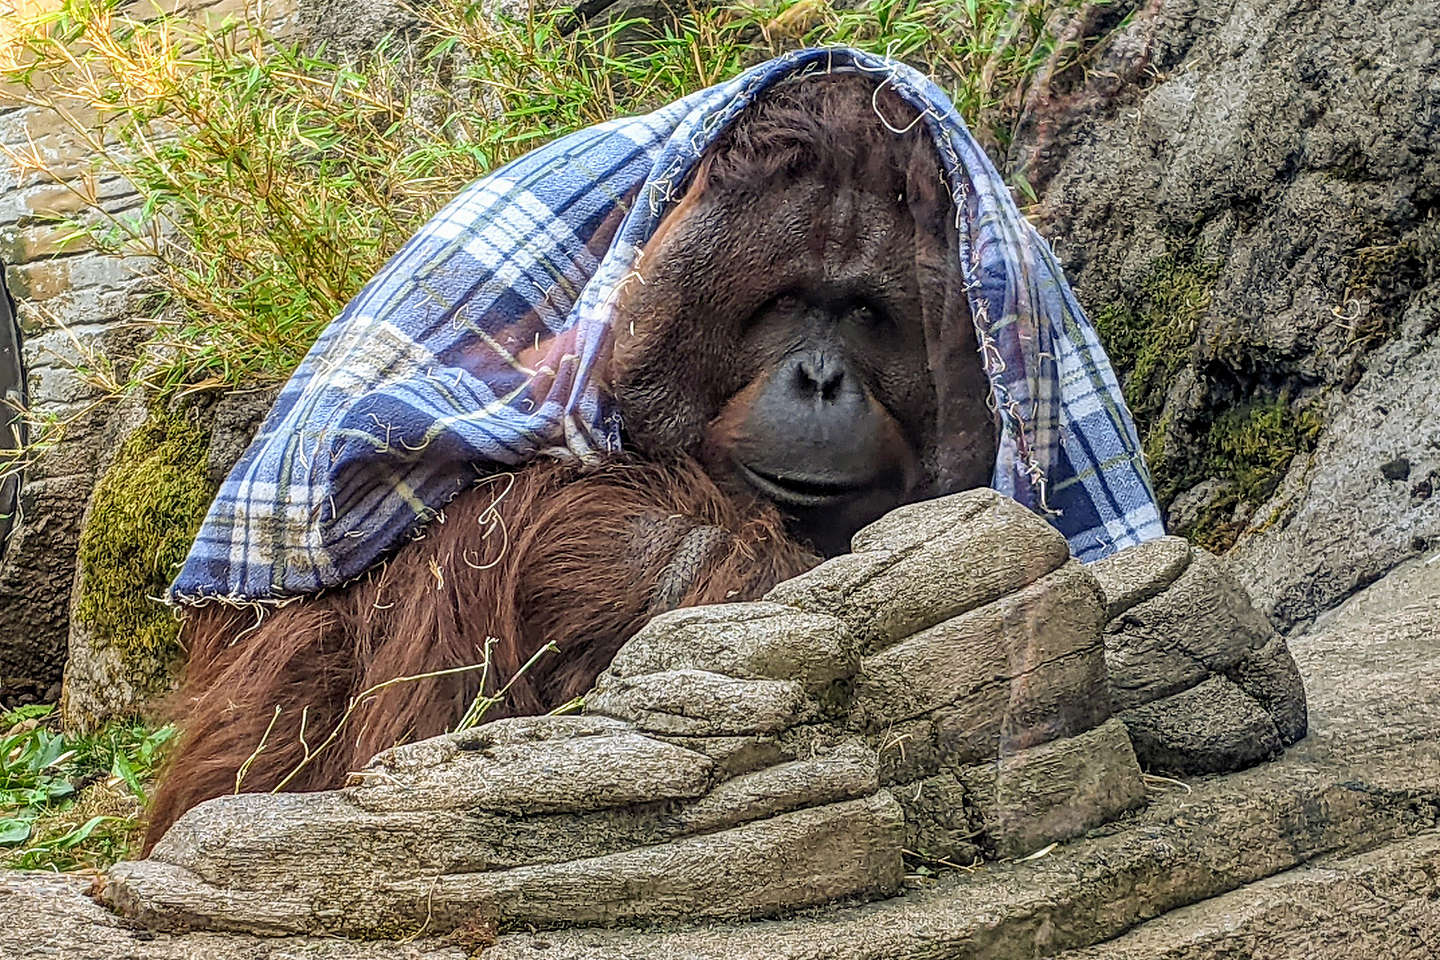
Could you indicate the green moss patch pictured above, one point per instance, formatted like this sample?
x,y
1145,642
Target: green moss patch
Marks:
x,y
145,514
1148,333
1254,444
1251,446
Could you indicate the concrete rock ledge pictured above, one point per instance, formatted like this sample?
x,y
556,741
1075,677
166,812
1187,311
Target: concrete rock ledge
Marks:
x,y
940,692
755,760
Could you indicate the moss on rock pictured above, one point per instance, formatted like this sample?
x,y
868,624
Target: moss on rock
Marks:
x,y
144,515
1251,447
1148,333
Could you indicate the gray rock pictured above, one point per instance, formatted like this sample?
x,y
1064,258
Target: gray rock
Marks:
x,y
943,822
1214,727
700,783
1339,523
925,563
799,859
35,577
795,859
1344,825
1270,676
1376,904
1202,682
1025,669
233,424
52,916
327,846
701,703
554,772
37,569
1060,789
751,641
1249,188
1204,624
1135,575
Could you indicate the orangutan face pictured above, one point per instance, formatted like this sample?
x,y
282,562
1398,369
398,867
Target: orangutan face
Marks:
x,y
779,336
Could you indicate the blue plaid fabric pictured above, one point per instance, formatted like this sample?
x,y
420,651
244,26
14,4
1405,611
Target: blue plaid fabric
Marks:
x,y
418,385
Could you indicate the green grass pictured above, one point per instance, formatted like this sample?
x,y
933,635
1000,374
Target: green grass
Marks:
x,y
70,802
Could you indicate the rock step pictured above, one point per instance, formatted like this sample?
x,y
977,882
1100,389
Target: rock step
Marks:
x,y
1385,903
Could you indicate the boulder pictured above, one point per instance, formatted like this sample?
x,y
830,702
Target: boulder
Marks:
x,y
163,466
1198,675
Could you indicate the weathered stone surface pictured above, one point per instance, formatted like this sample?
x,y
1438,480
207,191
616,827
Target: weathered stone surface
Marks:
x,y
969,549
799,859
1271,677
847,772
1025,669
1213,727
236,418
1135,575
1366,778
795,859
1203,624
1200,679
700,703
526,766
1247,191
1340,522
51,917
35,576
695,755
325,848
942,820
38,567
751,641
1385,903
1062,788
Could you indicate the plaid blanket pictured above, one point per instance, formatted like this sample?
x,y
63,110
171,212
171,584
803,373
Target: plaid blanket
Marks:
x,y
414,389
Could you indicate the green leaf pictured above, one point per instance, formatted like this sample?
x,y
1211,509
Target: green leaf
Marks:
x,y
51,746
32,711
121,767
58,789
14,831
78,835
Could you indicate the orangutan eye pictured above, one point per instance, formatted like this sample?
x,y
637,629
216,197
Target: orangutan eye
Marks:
x,y
867,316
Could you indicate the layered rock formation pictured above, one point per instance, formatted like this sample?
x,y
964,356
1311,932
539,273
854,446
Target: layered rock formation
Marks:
x,y
942,693
1329,851
1244,195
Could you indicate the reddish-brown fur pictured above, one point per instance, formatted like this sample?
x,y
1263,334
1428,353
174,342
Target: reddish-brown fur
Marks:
x,y
569,558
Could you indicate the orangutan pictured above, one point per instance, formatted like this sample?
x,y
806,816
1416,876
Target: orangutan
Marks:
x,y
798,360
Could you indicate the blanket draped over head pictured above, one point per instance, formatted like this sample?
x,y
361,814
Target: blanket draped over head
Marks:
x,y
416,388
